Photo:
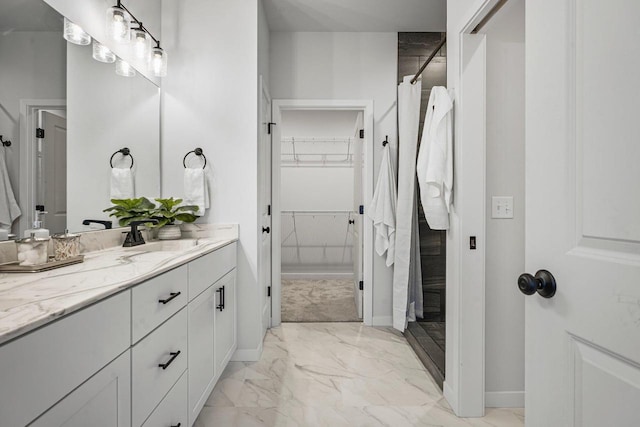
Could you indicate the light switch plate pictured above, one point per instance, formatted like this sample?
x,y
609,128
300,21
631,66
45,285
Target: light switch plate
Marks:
x,y
502,207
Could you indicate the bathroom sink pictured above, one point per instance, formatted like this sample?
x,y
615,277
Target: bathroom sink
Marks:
x,y
166,246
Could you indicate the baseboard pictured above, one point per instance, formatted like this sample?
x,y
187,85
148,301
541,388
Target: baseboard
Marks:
x,y
504,399
382,321
451,397
316,276
247,355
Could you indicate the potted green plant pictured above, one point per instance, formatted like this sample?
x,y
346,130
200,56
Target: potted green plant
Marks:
x,y
166,213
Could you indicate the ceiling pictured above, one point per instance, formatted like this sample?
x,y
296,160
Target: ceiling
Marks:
x,y
28,15
356,15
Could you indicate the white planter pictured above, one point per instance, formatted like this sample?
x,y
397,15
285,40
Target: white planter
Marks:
x,y
169,232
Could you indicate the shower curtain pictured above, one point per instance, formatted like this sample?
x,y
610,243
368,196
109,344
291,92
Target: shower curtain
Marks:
x,y
407,277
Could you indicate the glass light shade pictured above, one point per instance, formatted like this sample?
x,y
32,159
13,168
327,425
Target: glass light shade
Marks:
x,y
102,53
123,68
158,62
118,24
75,34
141,43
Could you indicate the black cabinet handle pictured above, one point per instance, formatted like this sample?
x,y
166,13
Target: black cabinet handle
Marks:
x,y
172,295
170,361
177,425
266,230
224,297
221,305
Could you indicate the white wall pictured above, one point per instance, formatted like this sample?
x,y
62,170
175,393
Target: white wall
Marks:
x,y
210,101
105,113
344,66
32,66
504,316
466,268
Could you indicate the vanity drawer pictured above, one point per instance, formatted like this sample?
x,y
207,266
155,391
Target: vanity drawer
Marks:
x,y
172,411
40,368
206,270
157,299
166,346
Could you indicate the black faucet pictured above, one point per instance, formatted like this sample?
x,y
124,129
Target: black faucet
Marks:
x,y
134,237
107,224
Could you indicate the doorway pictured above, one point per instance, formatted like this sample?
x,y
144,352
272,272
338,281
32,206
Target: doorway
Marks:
x,y
321,241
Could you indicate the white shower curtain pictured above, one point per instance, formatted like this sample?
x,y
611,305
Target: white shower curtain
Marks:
x,y
407,280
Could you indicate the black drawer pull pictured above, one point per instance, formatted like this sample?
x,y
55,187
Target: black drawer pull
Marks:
x,y
173,357
177,425
172,296
221,305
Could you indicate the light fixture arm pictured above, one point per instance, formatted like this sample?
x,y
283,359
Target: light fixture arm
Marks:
x,y
137,22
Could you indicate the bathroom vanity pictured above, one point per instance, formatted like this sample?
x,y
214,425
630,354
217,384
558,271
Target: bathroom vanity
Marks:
x,y
131,337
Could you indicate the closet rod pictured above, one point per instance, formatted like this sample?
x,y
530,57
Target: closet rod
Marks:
x,y
429,59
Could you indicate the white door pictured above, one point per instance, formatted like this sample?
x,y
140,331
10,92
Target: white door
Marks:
x,y
358,200
264,153
52,191
583,212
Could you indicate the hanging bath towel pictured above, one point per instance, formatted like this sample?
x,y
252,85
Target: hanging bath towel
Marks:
x,y
383,208
196,190
403,270
122,183
435,160
9,209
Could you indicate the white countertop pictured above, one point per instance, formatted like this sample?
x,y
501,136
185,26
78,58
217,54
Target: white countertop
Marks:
x,y
30,300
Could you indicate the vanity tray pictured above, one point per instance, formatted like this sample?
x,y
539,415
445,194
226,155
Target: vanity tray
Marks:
x,y
14,267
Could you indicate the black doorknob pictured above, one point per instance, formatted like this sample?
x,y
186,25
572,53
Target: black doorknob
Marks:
x,y
266,230
543,282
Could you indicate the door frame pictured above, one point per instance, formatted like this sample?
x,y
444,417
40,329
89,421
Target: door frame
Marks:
x,y
29,109
464,385
279,105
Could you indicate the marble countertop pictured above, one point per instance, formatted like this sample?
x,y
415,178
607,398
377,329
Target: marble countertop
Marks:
x,y
30,300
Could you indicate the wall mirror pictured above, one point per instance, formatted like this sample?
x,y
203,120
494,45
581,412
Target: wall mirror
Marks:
x,y
87,113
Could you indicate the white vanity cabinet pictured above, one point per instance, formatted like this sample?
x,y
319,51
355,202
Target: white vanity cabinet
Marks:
x,y
147,356
212,323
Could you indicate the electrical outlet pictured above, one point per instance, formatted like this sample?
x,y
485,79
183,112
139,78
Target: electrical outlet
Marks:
x,y
502,207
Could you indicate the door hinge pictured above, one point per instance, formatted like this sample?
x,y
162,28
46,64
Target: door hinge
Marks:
x,y
269,126
361,133
39,133
268,291
361,210
361,285
269,210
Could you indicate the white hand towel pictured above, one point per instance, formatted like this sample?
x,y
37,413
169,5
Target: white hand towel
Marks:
x,y
122,183
196,189
435,160
9,209
383,209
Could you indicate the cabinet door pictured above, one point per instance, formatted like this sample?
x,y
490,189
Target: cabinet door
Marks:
x,y
225,324
103,400
201,350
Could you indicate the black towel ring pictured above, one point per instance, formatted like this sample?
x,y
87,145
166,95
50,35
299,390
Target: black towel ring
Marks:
x,y
6,143
125,152
386,140
198,152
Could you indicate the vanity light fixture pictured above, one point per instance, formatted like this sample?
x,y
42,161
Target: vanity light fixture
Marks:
x,y
75,34
119,21
102,53
119,24
123,68
141,43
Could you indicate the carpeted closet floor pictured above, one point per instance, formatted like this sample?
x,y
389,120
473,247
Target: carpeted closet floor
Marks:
x,y
329,300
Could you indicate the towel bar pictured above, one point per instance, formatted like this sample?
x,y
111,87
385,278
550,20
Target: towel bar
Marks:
x,y
125,152
198,152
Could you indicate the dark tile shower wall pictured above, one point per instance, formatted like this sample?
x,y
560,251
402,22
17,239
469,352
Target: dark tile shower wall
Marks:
x,y
413,50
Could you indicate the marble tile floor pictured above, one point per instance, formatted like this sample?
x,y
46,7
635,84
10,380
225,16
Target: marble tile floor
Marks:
x,y
335,374
330,300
